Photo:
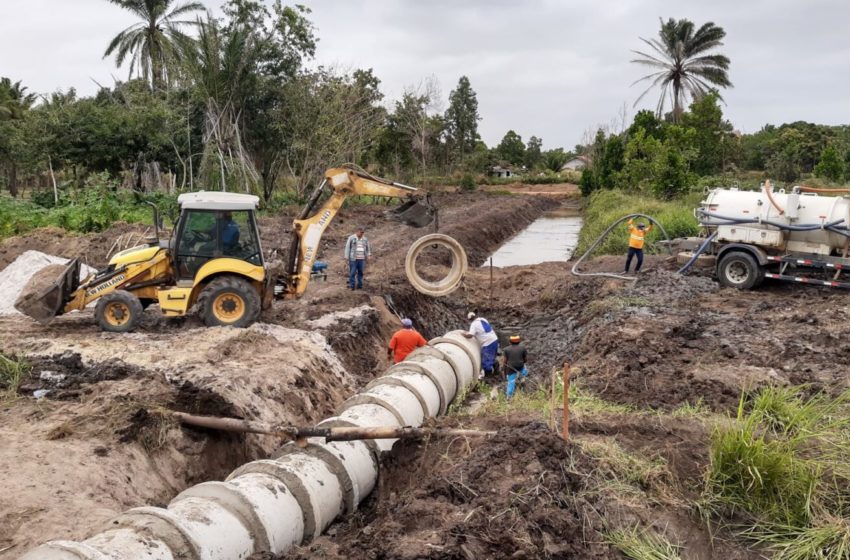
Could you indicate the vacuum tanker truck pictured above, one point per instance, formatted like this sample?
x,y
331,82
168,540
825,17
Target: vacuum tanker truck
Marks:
x,y
798,236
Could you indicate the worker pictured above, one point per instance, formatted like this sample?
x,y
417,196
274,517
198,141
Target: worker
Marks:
x,y
404,341
514,357
482,331
636,240
229,232
357,253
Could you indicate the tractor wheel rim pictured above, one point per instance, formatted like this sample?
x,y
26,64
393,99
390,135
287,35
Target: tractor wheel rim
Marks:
x,y
228,307
117,314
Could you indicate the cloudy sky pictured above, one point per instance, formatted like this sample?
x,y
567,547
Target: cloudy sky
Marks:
x,y
550,68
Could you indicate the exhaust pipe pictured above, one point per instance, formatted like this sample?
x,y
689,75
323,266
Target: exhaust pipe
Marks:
x,y
274,504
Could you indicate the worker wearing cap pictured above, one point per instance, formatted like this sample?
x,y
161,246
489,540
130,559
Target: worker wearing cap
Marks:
x,y
485,335
357,253
636,241
404,341
514,357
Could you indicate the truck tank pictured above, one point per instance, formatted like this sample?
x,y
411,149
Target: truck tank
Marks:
x,y
788,209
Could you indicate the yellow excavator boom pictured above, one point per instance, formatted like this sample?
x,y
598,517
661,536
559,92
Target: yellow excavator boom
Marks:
x,y
309,227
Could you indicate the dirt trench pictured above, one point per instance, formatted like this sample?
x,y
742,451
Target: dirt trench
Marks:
x,y
99,440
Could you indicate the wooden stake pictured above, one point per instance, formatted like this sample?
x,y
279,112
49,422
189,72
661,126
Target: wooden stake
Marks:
x,y
566,433
552,400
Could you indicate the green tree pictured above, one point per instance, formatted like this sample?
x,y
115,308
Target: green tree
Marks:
x,y
533,152
554,159
462,120
711,133
511,149
831,166
682,64
15,104
153,43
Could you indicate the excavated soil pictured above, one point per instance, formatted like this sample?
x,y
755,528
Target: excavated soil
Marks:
x,y
99,441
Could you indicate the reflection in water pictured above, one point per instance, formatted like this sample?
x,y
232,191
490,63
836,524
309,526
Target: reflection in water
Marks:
x,y
547,239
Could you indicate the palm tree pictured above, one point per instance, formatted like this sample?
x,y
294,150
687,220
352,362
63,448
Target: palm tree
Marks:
x,y
14,99
152,43
682,63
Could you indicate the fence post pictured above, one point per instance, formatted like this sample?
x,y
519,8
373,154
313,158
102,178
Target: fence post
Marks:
x,y
566,427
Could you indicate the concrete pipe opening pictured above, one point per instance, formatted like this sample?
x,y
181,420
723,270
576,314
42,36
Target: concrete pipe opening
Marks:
x,y
439,286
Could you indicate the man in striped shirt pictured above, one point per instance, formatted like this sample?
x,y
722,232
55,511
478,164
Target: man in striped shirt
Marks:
x,y
357,253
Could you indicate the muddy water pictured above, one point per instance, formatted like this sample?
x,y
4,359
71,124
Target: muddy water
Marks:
x,y
550,238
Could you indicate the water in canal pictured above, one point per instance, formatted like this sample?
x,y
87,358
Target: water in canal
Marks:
x,y
552,237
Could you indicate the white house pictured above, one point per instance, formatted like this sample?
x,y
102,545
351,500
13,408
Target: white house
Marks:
x,y
499,171
575,164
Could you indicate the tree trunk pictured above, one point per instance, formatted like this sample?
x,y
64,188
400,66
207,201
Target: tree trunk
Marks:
x,y
53,178
13,179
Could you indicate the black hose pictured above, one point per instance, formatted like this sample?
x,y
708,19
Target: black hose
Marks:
x,y
599,239
698,252
730,221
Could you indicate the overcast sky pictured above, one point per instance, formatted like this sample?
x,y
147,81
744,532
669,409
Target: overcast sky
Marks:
x,y
549,68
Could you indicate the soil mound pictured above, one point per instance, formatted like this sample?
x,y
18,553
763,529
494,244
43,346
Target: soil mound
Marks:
x,y
35,265
513,496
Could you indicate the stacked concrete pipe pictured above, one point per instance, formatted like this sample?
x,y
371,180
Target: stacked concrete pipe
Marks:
x,y
273,504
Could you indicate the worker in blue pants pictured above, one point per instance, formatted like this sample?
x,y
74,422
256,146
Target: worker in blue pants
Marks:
x,y
483,332
514,357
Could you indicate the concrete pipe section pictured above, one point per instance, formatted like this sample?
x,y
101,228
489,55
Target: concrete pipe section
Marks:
x,y
451,281
274,504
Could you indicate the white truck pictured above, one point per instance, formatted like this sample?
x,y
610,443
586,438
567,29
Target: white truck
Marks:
x,y
797,236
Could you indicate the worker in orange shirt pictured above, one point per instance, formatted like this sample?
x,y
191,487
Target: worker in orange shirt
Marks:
x,y
404,341
636,240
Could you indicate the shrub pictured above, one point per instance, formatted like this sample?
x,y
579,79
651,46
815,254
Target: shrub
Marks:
x,y
467,183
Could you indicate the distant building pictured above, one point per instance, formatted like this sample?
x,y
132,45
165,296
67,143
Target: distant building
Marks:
x,y
576,164
503,172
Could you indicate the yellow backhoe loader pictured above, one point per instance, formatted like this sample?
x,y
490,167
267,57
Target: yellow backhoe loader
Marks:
x,y
213,261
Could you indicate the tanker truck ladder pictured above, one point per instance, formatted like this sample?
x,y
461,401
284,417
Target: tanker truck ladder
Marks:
x,y
837,264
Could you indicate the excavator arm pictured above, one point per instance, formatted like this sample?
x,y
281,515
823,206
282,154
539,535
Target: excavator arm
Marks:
x,y
311,224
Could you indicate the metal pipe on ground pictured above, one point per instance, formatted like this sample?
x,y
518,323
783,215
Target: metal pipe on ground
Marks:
x,y
273,504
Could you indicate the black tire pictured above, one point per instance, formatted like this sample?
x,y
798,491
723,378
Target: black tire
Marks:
x,y
229,295
118,312
739,269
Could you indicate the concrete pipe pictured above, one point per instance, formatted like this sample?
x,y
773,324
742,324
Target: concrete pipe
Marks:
x,y
399,400
469,345
273,504
452,280
417,383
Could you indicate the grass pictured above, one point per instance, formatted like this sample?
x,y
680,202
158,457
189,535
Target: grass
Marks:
x,y
627,469
606,206
13,370
780,469
643,544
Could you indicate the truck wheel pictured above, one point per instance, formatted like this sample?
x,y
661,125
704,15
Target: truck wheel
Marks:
x,y
229,301
739,269
119,311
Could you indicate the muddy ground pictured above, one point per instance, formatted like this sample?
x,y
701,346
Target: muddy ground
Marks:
x,y
101,441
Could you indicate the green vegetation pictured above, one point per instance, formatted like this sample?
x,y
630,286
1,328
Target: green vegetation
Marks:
x,y
92,208
13,370
643,544
605,207
781,467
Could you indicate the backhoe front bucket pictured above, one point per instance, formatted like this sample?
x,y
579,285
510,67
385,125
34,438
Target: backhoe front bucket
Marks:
x,y
47,291
413,213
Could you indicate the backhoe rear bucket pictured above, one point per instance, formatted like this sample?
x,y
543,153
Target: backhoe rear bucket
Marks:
x,y
47,291
413,213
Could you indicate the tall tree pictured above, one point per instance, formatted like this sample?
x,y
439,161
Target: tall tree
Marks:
x,y
462,120
511,149
152,43
831,166
533,152
15,102
682,65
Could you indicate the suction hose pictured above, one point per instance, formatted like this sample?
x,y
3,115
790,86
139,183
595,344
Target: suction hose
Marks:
x,y
274,504
698,252
599,240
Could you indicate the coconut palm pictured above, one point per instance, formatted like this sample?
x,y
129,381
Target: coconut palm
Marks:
x,y
152,43
684,68
14,99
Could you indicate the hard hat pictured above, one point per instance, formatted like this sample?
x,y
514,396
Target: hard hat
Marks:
x,y
641,225
470,315
406,323
515,338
